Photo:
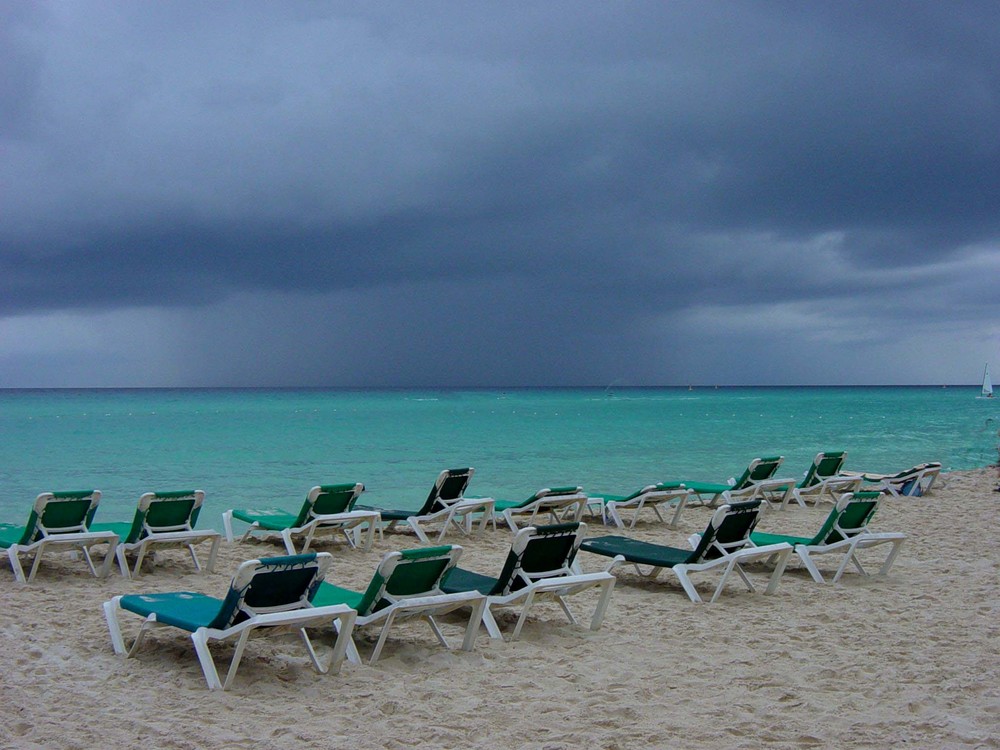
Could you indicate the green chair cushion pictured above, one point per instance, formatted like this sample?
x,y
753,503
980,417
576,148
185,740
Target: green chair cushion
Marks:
x,y
328,594
459,579
186,610
635,551
272,519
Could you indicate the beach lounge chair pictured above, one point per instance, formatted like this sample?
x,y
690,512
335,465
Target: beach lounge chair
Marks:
x,y
269,593
823,480
845,530
557,504
446,505
652,496
725,544
328,510
407,584
58,521
538,566
162,520
759,470
911,482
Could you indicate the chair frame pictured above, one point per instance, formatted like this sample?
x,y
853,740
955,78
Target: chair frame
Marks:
x,y
851,538
38,537
557,504
714,549
424,605
143,537
651,496
358,526
296,615
446,504
554,584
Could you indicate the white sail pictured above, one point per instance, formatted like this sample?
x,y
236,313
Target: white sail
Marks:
x,y
987,383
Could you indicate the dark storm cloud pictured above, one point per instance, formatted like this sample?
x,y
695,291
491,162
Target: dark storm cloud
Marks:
x,y
623,166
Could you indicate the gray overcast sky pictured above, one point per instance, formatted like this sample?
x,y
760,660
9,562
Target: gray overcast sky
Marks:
x,y
498,193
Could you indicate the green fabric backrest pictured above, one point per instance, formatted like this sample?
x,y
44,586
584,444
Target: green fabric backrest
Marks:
x,y
855,516
65,509
414,572
549,548
736,526
450,486
277,582
758,470
335,498
829,465
166,509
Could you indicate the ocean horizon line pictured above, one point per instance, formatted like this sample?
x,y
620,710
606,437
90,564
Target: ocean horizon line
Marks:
x,y
391,388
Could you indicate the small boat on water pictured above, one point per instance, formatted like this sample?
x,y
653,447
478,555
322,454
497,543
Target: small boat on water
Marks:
x,y
987,383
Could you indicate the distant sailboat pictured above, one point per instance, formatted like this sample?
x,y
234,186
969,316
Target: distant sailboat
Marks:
x,y
987,383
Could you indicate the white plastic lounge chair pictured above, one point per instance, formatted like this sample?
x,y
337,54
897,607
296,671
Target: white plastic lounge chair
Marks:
x,y
538,566
725,544
711,493
58,521
328,510
446,505
162,520
911,482
823,481
271,593
556,504
407,584
652,496
844,531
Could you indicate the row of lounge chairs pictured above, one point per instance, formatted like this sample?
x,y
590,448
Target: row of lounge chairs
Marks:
x,y
289,592
65,520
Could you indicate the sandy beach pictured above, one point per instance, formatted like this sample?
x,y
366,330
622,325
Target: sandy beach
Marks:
x,y
911,659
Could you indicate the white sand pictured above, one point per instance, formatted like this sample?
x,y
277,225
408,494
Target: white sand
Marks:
x,y
910,659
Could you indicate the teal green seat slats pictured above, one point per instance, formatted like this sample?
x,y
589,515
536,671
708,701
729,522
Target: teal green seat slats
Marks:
x,y
187,610
267,593
406,584
640,552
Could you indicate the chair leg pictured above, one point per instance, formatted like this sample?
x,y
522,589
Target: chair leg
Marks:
x,y
810,564
421,535
15,564
212,553
472,629
779,568
227,525
111,610
523,616
381,638
689,589
492,627
286,537
602,604
200,639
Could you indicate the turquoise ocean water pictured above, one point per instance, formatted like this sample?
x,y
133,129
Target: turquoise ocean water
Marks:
x,y
255,446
